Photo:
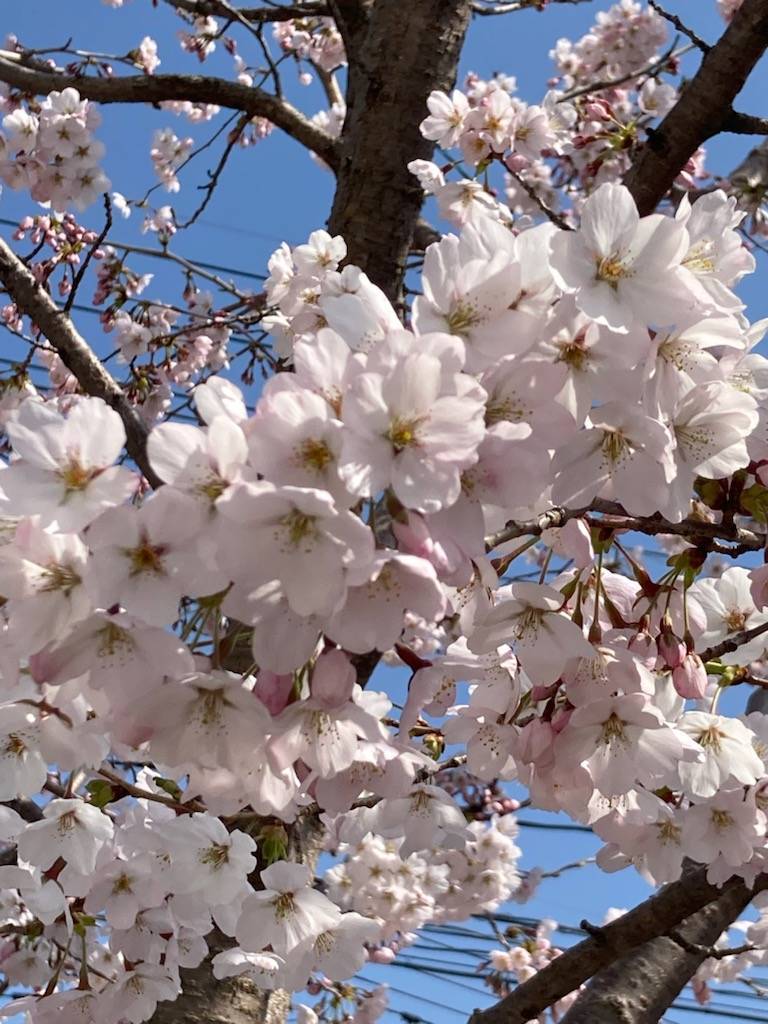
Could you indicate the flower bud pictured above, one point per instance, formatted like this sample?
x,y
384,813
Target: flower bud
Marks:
x,y
689,678
333,680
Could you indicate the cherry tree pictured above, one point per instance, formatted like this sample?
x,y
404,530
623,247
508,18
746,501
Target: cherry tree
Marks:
x,y
451,435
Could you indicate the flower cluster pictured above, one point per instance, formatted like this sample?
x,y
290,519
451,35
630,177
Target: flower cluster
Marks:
x,y
185,673
52,153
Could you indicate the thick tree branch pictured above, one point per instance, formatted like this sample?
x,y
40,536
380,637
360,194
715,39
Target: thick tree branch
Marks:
x,y
395,63
154,89
75,353
640,987
745,124
614,516
655,917
203,8
703,107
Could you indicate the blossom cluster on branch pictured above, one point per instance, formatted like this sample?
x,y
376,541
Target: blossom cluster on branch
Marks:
x,y
185,671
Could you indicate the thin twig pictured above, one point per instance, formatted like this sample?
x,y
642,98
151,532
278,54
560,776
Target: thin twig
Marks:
x,y
548,212
681,27
89,255
710,952
215,174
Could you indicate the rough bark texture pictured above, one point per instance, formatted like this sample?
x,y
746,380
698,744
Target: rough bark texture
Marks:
x,y
703,108
204,1000
656,916
400,59
639,988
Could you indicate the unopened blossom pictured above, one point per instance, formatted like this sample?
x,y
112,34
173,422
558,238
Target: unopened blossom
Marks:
x,y
65,472
623,268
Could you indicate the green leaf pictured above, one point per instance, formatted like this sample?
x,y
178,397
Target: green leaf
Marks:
x,y
101,792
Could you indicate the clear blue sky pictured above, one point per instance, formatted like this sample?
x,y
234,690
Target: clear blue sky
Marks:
x,y
275,192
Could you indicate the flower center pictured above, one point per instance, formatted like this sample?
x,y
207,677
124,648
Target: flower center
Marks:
x,y
611,270
314,454
462,318
217,854
710,738
615,446
285,905
59,577
146,558
298,526
735,619
403,433
721,819
613,729
76,477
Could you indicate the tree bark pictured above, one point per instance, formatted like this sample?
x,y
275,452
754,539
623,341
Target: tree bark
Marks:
x,y
640,987
205,1000
657,916
402,57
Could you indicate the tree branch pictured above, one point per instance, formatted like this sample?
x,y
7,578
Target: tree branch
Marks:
x,y
745,124
614,517
655,917
640,987
154,89
202,8
75,353
733,643
491,7
703,107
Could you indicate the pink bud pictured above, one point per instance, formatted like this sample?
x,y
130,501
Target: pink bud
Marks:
x,y
535,743
759,586
671,649
384,955
516,162
333,680
690,677
273,691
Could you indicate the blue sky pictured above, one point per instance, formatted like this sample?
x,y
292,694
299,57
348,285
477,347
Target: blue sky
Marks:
x,y
274,192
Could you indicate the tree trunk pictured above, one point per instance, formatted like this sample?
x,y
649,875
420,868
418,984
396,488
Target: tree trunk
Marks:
x,y
405,53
